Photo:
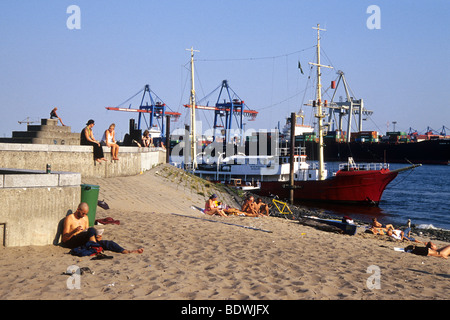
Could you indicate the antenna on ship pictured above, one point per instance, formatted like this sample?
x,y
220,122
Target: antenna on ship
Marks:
x,y
318,103
192,103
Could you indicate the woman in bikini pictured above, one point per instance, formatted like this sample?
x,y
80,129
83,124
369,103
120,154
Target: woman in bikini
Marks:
x,y
211,207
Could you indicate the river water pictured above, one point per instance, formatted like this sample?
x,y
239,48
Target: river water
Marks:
x,y
422,195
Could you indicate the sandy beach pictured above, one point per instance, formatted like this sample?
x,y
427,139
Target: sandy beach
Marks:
x,y
190,256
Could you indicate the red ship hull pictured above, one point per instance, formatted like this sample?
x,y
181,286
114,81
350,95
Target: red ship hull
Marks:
x,y
362,187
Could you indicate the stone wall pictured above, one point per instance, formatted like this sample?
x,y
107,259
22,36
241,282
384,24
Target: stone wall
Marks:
x,y
133,160
34,204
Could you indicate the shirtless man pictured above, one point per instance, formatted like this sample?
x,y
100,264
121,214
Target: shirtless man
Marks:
x,y
76,232
430,249
249,207
433,250
377,228
261,207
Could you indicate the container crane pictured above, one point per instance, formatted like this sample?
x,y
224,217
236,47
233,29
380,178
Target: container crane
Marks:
x,y
226,109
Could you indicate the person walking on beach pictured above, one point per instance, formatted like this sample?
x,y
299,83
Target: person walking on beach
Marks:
x,y
109,140
87,139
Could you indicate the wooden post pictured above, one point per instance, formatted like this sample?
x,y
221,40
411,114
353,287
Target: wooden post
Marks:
x,y
167,139
291,158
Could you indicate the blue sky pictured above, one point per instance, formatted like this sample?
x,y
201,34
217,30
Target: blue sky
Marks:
x,y
401,70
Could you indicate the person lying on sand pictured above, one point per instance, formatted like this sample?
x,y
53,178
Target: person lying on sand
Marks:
x,y
377,228
233,212
400,235
211,207
76,232
430,249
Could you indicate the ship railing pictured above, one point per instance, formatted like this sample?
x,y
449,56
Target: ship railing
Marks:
x,y
314,165
363,166
285,152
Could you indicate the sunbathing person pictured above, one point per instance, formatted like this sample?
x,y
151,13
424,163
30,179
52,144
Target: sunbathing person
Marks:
x,y
400,235
377,228
211,207
433,250
249,207
430,249
261,207
76,232
233,211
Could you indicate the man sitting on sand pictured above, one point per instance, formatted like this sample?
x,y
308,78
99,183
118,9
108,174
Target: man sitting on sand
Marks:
x,y
76,232
249,207
261,207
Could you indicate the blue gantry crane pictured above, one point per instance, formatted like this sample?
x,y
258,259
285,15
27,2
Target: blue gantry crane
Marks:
x,y
226,108
152,111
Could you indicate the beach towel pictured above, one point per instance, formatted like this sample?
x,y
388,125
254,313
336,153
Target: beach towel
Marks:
x,y
90,248
198,208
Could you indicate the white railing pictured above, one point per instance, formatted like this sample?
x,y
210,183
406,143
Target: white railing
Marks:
x,y
284,152
363,166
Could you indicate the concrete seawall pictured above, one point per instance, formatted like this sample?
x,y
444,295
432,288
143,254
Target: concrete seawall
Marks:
x,y
133,160
34,203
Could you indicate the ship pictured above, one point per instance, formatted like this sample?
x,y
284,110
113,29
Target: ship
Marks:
x,y
350,184
393,147
287,172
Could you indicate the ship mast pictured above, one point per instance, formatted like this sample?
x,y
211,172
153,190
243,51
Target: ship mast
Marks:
x,y
192,135
319,115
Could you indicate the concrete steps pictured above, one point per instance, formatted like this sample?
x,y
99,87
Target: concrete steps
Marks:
x,y
48,132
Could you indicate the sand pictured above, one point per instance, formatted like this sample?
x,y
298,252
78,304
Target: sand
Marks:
x,y
190,256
